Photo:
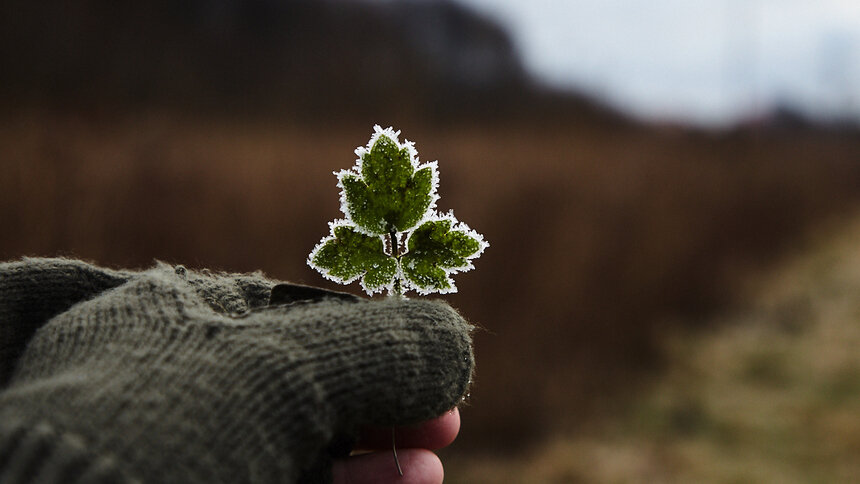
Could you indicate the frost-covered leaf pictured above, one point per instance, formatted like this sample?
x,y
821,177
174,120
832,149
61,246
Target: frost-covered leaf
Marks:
x,y
348,254
392,237
387,190
437,249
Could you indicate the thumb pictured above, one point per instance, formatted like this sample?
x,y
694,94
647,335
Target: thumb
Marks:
x,y
390,362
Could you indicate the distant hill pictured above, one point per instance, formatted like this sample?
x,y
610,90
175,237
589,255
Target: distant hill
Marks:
x,y
303,56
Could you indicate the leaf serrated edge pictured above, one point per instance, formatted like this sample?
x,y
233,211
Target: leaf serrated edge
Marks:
x,y
413,161
325,272
344,206
398,274
458,226
434,190
394,136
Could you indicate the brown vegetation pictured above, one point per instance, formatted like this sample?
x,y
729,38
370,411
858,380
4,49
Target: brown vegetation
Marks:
x,y
769,393
597,235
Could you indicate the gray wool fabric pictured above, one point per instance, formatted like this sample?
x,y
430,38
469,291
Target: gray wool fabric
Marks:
x,y
170,375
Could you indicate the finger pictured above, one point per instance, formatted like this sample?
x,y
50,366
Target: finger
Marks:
x,y
381,362
432,434
420,466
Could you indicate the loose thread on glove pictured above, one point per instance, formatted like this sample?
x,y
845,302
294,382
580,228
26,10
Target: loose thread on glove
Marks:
x,y
394,451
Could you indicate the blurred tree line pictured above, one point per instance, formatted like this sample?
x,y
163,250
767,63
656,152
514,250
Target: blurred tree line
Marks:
x,y
285,57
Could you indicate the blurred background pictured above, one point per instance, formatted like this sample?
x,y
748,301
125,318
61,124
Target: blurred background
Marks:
x,y
670,190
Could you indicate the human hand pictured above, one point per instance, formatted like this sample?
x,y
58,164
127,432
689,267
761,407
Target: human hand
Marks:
x,y
416,443
170,375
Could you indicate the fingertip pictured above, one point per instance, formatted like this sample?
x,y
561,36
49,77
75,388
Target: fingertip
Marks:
x,y
443,429
432,434
420,466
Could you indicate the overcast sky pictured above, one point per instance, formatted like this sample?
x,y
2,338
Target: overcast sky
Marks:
x,y
707,61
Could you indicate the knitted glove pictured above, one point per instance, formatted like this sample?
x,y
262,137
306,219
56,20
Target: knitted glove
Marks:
x,y
171,375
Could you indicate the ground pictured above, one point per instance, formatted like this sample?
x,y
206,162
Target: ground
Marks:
x,y
770,393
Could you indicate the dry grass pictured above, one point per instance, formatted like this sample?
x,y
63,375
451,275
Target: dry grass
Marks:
x,y
771,394
597,233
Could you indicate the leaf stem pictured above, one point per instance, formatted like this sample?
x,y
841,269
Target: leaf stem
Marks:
x,y
395,251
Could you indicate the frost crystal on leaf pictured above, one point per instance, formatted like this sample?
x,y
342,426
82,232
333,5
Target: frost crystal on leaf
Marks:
x,y
435,250
388,197
387,191
347,254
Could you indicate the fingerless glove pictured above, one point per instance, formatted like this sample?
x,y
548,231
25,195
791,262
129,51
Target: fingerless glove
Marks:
x,y
171,375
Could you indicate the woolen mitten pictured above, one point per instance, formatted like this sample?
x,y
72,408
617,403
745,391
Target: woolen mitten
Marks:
x,y
171,375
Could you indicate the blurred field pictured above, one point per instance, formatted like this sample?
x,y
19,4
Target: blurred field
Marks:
x,y
599,235
651,306
770,393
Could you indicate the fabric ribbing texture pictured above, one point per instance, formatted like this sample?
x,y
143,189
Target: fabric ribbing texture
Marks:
x,y
172,375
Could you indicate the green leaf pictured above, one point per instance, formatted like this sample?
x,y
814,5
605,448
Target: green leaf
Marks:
x,y
387,190
348,254
437,249
387,195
